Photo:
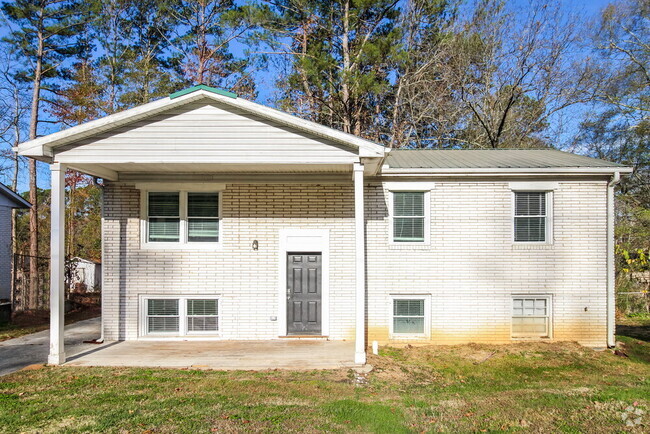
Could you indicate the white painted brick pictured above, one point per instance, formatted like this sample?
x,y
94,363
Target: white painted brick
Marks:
x,y
471,268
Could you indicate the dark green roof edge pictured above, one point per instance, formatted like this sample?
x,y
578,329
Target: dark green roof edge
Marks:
x,y
203,87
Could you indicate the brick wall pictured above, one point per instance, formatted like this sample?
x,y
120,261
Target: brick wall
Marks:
x,y
472,267
5,252
246,280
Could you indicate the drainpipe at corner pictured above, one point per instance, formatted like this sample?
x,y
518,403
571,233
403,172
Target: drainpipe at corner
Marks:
x,y
611,277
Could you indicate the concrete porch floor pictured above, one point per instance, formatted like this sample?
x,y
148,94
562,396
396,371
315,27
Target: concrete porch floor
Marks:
x,y
221,355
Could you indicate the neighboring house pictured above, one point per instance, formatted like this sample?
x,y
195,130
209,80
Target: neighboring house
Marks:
x,y
8,201
226,219
86,275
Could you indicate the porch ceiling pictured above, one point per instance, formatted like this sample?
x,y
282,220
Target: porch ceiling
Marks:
x,y
211,171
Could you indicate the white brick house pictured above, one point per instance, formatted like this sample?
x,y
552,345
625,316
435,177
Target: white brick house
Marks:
x,y
225,219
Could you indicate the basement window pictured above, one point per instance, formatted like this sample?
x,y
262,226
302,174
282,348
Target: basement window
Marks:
x,y
409,316
531,316
162,316
180,316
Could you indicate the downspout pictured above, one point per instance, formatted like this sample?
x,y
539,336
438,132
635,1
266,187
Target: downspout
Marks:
x,y
103,250
611,277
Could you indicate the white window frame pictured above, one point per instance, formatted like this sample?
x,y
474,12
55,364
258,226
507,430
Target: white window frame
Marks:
x,y
548,229
182,190
549,316
182,316
427,317
410,187
146,316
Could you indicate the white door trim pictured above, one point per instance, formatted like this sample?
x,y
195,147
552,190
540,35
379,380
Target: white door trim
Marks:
x,y
303,240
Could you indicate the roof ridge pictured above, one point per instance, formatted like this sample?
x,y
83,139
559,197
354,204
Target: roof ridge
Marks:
x,y
203,87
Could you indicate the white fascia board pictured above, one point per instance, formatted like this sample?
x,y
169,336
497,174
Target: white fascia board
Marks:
x,y
44,145
482,171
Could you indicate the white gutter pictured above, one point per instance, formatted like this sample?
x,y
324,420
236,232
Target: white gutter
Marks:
x,y
611,277
476,171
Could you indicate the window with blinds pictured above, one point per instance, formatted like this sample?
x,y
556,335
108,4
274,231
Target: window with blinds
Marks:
x,y
164,217
530,216
202,315
408,316
203,217
162,315
183,217
180,316
408,216
531,317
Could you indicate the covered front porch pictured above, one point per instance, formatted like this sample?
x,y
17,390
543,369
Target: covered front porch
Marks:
x,y
291,354
198,141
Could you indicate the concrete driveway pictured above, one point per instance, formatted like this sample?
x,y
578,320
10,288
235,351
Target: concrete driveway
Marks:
x,y
27,350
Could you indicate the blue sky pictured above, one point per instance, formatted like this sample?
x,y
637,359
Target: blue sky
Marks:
x,y
265,82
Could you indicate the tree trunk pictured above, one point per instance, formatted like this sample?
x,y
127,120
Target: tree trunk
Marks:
x,y
345,87
33,212
14,212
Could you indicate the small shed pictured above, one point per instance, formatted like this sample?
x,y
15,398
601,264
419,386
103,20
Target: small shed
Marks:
x,y
85,275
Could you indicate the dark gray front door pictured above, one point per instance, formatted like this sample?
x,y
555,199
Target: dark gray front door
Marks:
x,y
304,289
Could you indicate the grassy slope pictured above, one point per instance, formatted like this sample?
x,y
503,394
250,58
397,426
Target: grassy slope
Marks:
x,y
540,387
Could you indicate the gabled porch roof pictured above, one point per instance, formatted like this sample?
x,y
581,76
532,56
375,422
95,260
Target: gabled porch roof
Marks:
x,y
201,130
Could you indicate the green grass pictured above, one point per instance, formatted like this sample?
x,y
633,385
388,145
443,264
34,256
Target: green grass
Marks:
x,y
469,388
25,323
10,331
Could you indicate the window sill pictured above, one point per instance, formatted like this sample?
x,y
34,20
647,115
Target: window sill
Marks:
x,y
533,246
180,246
409,337
408,246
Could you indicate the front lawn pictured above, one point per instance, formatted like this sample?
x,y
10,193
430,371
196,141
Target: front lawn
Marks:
x,y
537,387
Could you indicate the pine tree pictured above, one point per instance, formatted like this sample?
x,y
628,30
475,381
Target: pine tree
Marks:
x,y
45,37
203,31
340,58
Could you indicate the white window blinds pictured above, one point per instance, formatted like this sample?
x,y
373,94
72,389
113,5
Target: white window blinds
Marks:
x,y
408,316
203,217
530,216
183,217
164,217
408,216
202,315
162,315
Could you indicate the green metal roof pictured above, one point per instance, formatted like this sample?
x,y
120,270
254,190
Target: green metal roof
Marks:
x,y
489,158
203,87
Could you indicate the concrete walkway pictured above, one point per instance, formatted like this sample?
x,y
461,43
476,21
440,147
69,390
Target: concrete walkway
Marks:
x,y
221,355
27,350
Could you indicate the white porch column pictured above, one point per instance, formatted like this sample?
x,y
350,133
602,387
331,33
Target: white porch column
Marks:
x,y
57,265
360,262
